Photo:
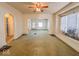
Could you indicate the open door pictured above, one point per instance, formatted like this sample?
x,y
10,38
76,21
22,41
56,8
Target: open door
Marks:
x,y
9,27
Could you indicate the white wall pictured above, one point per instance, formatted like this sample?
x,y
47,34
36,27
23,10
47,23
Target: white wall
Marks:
x,y
18,22
41,16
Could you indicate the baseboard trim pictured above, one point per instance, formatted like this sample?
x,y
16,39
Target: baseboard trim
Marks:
x,y
19,36
52,35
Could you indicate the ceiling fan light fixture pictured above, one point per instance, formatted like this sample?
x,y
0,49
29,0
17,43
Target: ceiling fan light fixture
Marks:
x,y
38,9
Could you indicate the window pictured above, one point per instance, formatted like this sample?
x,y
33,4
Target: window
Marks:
x,y
64,24
33,24
70,25
40,24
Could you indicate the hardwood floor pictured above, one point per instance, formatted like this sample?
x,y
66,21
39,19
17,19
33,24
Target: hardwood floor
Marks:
x,y
39,43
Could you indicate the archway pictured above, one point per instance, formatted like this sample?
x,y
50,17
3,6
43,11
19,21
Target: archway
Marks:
x,y
9,27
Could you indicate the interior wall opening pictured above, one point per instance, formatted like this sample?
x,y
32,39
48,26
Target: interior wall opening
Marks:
x,y
9,27
39,24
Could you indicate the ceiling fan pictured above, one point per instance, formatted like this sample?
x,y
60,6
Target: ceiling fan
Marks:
x,y
38,7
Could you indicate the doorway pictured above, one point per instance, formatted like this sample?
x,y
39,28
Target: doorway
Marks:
x,y
9,27
39,24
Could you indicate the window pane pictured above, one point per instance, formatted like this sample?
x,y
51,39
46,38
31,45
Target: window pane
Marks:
x,y
72,22
64,24
40,24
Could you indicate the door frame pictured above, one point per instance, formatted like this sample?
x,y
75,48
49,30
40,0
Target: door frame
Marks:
x,y
6,24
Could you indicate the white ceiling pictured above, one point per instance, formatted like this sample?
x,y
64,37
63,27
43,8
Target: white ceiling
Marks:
x,y
52,6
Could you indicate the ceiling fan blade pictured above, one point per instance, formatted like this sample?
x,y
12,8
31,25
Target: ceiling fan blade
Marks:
x,y
32,6
44,6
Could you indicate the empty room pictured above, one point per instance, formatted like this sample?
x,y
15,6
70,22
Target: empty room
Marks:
x,y
39,28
